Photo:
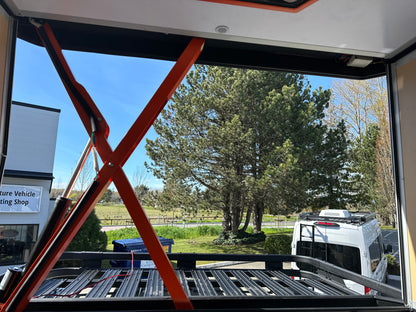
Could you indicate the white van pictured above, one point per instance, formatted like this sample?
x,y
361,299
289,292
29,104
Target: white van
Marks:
x,y
351,240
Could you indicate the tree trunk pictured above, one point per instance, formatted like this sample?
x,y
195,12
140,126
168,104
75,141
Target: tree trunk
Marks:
x,y
247,222
226,216
236,209
234,223
258,216
235,216
226,220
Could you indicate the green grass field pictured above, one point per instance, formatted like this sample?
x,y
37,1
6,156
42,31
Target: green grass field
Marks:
x,y
117,214
119,211
205,245
196,239
186,240
112,214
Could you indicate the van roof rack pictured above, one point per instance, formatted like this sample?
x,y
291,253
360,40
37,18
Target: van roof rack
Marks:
x,y
356,217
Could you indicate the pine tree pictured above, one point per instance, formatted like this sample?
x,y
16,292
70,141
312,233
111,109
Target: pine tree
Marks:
x,y
364,165
247,137
331,176
89,237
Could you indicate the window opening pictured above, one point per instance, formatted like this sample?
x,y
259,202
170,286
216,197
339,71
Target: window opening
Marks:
x,y
16,242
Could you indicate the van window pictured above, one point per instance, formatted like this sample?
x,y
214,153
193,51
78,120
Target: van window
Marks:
x,y
343,256
376,252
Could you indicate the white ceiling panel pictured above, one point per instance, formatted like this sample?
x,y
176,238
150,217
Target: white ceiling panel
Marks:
x,y
378,28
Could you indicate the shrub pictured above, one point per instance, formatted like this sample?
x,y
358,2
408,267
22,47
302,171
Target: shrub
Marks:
x,y
278,244
89,237
392,266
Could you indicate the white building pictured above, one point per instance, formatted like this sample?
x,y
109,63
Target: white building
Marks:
x,y
27,181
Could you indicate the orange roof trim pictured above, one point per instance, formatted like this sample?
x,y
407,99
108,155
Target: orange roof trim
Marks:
x,y
275,7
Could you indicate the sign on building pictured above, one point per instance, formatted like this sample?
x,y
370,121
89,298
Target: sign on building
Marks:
x,y
20,198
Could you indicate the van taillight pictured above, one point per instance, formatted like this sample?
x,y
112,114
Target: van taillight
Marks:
x,y
327,224
366,290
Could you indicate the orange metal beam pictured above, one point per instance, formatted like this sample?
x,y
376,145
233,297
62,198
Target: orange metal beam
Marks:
x,y
76,91
152,242
137,131
111,171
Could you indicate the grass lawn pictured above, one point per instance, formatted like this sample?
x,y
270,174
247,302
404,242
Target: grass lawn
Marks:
x,y
106,211
205,245
117,214
199,243
119,211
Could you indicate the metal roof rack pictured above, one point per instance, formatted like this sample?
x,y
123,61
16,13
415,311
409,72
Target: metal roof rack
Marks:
x,y
356,217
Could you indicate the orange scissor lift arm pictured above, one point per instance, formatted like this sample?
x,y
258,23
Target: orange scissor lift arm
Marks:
x,y
111,171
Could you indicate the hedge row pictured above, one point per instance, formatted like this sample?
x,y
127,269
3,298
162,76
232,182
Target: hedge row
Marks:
x,y
278,244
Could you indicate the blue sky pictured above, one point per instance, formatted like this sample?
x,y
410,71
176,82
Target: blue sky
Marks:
x,y
120,87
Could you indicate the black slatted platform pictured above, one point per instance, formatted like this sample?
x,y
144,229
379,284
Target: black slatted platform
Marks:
x,y
119,283
90,287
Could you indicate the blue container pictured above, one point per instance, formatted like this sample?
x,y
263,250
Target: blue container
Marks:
x,y
137,245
